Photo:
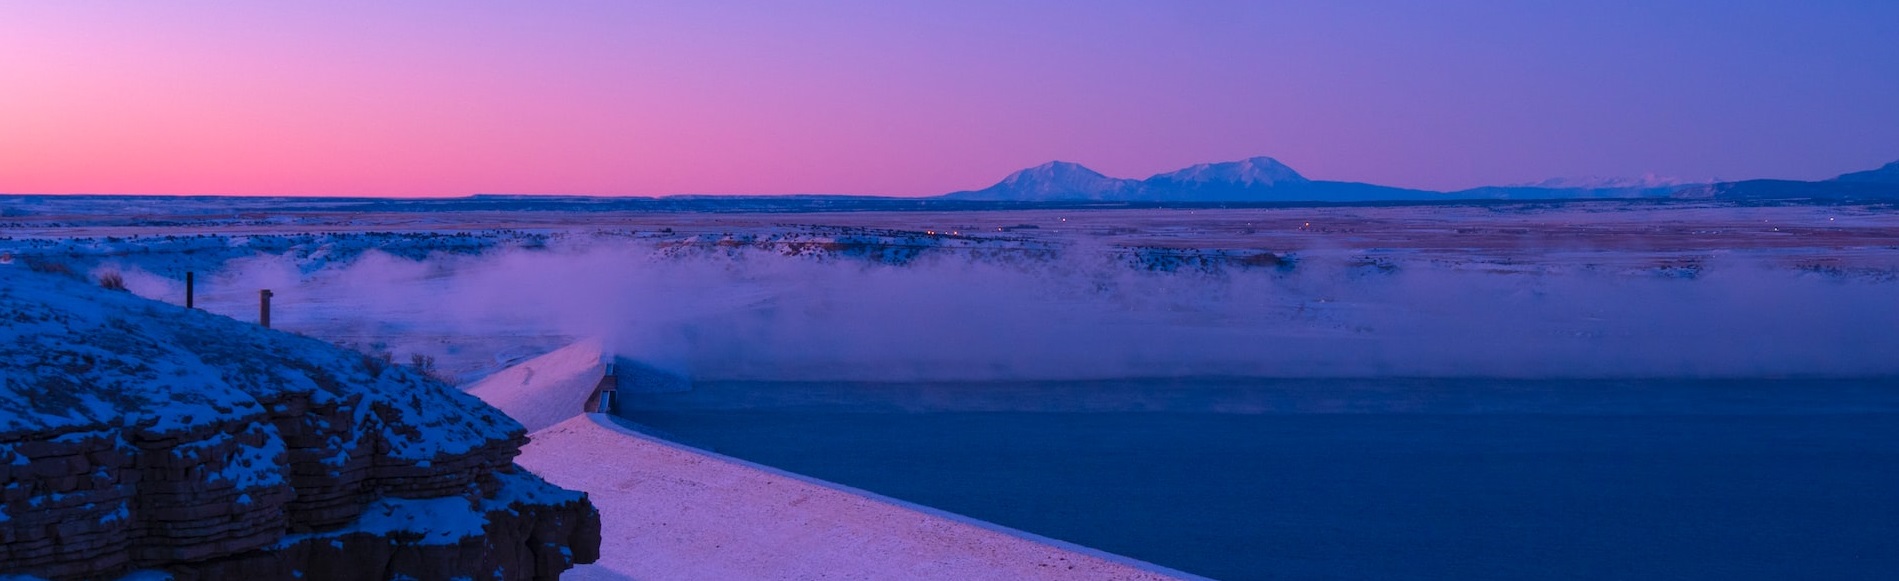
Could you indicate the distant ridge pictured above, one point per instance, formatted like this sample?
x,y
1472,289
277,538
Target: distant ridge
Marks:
x,y
1265,179
1880,184
1256,179
1250,172
1585,188
1886,174
1645,181
1057,180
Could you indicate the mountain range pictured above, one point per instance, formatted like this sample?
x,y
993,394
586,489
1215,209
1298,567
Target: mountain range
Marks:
x,y
1264,179
1246,180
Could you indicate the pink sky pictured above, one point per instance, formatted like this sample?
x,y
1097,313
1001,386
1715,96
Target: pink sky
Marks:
x,y
646,98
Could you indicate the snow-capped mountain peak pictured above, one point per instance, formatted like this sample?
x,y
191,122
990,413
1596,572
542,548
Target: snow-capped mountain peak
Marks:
x,y
1054,171
1248,180
1056,180
1252,171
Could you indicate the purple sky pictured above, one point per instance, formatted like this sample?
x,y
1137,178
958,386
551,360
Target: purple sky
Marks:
x,y
915,97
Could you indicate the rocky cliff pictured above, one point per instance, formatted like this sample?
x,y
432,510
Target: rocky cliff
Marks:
x,y
138,435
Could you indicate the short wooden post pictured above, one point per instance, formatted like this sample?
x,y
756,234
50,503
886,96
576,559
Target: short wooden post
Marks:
x,y
191,297
263,307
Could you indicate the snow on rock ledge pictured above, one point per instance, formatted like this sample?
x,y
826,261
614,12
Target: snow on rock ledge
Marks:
x,y
140,435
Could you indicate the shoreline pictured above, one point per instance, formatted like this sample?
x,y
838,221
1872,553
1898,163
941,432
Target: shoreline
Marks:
x,y
800,526
672,511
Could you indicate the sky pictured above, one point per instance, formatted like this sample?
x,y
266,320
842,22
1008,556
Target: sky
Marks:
x,y
449,98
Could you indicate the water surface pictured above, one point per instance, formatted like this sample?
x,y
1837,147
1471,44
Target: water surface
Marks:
x,y
1346,479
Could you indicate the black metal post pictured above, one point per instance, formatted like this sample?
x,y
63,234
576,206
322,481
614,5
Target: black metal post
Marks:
x,y
190,291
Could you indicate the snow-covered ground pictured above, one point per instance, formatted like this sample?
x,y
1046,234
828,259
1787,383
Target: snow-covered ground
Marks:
x,y
1589,291
673,512
545,390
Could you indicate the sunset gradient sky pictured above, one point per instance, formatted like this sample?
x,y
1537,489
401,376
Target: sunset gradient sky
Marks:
x,y
436,98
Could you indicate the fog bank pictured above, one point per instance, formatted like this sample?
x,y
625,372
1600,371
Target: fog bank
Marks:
x,y
759,315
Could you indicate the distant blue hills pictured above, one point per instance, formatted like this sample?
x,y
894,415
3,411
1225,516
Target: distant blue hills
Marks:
x,y
1875,184
1266,180
1258,179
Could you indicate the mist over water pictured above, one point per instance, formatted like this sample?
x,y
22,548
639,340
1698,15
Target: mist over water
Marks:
x,y
1070,393
1088,314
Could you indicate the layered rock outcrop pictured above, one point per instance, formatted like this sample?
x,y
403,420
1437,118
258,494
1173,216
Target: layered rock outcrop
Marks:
x,y
140,435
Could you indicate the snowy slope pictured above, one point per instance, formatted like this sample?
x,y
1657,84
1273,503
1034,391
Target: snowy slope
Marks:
x,y
672,512
545,390
1055,180
78,355
1250,172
